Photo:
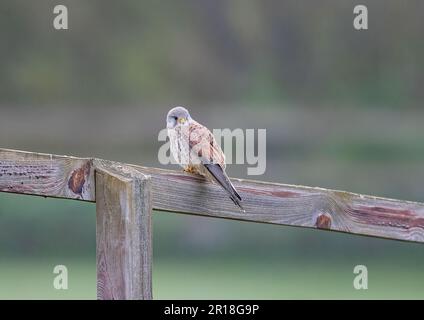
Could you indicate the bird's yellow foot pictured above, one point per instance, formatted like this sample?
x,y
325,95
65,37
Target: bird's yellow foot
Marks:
x,y
189,170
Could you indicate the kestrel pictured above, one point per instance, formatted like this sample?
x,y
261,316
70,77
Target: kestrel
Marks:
x,y
195,149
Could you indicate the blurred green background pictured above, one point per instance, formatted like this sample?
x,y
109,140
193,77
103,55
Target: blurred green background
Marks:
x,y
342,109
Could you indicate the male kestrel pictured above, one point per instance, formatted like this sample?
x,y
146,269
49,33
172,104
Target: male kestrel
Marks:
x,y
194,148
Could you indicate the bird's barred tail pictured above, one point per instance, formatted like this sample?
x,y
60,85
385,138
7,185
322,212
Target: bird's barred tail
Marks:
x,y
221,177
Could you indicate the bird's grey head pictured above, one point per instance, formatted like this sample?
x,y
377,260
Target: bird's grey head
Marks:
x,y
178,116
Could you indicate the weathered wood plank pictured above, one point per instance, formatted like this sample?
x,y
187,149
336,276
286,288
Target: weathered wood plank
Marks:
x,y
280,204
46,175
289,205
123,233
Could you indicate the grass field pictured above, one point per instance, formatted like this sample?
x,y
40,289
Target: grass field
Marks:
x,y
230,279
201,258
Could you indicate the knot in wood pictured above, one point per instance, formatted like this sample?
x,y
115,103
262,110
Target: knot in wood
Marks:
x,y
78,178
323,221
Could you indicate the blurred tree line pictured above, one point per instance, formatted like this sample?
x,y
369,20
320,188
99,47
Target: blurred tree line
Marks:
x,y
127,52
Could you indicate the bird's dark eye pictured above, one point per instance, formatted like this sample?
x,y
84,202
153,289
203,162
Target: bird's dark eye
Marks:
x,y
175,118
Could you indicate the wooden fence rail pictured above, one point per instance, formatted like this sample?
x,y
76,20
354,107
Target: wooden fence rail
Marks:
x,y
126,194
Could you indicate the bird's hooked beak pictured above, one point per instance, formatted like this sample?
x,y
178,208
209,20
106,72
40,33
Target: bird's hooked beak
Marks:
x,y
182,120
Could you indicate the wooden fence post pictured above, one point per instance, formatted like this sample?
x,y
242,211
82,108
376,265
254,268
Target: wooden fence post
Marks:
x,y
123,233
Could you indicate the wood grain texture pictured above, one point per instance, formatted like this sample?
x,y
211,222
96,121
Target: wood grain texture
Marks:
x,y
46,175
283,204
289,205
123,233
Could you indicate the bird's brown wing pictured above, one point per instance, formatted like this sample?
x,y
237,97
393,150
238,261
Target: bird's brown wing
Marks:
x,y
202,144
